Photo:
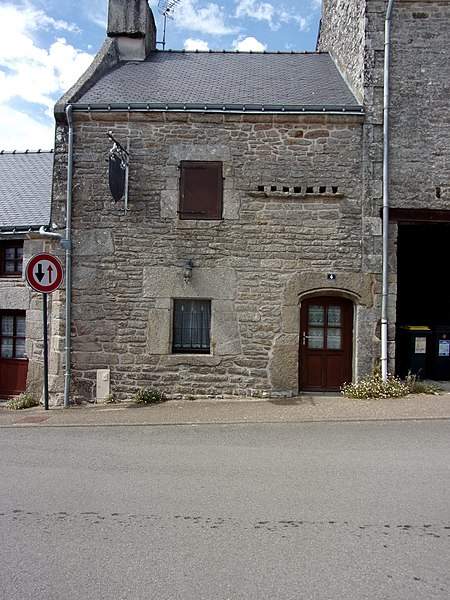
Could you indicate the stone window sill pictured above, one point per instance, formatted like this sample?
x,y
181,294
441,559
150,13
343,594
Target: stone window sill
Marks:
x,y
191,359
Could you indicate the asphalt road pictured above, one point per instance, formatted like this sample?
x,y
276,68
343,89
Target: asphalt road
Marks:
x,y
252,511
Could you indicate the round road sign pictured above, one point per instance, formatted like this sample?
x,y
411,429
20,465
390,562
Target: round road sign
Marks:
x,y
44,273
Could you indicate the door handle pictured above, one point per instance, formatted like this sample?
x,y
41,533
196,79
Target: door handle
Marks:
x,y
306,337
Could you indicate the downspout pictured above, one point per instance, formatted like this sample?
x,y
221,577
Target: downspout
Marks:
x,y
68,247
51,234
385,265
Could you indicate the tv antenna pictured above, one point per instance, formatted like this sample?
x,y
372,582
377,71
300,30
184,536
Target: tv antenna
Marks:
x,y
166,8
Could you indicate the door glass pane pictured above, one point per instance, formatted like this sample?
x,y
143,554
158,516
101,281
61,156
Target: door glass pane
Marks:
x,y
334,338
315,337
334,315
316,315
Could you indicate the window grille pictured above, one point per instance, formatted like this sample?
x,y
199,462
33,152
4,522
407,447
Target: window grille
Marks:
x,y
191,326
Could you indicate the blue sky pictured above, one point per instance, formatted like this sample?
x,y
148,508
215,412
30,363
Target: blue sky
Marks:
x,y
47,44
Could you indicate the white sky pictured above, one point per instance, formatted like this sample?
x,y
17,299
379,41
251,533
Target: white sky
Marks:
x,y
46,45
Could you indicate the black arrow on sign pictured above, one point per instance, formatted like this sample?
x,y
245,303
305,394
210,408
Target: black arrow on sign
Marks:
x,y
39,273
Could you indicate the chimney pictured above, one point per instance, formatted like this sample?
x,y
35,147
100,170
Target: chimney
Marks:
x,y
132,24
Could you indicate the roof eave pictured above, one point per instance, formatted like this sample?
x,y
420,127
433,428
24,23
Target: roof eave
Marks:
x,y
221,108
21,229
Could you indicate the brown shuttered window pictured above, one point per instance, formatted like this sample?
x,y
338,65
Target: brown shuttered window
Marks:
x,y
201,190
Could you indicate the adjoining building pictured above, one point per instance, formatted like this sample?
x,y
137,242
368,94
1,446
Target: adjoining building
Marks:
x,y
25,198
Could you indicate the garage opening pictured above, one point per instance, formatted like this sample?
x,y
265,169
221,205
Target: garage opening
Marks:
x,y
423,300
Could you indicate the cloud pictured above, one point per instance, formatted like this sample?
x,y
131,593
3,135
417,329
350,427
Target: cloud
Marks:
x,y
210,19
302,22
261,11
249,44
274,15
97,14
32,74
24,17
19,131
191,44
68,63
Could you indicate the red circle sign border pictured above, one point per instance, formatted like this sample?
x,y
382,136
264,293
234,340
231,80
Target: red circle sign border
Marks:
x,y
44,289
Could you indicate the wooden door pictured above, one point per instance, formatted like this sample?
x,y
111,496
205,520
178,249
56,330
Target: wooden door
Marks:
x,y
325,344
13,376
13,362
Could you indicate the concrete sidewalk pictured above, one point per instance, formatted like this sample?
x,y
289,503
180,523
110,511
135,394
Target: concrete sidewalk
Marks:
x,y
303,408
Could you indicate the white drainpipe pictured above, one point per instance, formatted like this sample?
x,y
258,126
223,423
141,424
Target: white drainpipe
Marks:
x,y
66,243
385,266
68,253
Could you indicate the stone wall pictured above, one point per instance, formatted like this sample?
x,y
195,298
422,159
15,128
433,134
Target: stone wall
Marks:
x,y
342,33
420,173
293,188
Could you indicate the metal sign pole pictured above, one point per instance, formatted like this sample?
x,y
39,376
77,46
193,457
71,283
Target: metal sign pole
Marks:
x,y
44,273
44,326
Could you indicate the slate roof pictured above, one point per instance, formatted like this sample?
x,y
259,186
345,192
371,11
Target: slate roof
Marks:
x,y
224,80
25,190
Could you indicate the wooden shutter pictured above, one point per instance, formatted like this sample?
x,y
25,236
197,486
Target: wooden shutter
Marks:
x,y
201,188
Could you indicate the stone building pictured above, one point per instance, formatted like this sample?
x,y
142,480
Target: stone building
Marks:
x,y
25,195
245,255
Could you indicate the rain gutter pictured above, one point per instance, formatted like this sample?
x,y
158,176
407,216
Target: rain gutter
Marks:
x,y
220,108
22,230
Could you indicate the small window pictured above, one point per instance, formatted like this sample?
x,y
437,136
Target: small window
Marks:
x,y
11,259
12,334
191,326
201,190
